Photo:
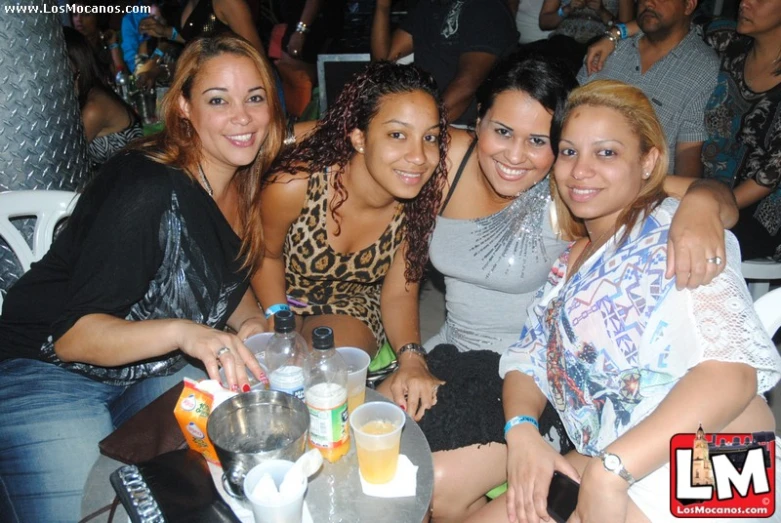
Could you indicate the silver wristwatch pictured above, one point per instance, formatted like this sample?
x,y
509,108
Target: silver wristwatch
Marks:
x,y
612,463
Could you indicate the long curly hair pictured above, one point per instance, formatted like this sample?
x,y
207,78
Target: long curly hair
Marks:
x,y
179,145
329,145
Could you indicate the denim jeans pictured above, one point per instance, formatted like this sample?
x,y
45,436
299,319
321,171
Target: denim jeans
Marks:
x,y
51,422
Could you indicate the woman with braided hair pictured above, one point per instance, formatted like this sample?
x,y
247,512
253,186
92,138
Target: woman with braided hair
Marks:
x,y
347,213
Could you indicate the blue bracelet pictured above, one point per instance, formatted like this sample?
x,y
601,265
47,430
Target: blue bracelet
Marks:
x,y
158,52
560,12
622,30
517,420
276,308
113,46
174,33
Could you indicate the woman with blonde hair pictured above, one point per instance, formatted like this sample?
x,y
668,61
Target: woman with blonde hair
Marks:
x,y
625,358
152,266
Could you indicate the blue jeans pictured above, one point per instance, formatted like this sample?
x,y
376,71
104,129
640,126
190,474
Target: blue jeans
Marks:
x,y
51,422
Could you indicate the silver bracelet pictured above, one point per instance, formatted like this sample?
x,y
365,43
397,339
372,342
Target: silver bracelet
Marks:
x,y
414,348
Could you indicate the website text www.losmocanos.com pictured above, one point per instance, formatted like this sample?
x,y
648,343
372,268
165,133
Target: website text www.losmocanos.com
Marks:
x,y
75,9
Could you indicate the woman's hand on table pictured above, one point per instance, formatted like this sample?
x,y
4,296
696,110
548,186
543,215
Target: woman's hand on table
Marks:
x,y
217,349
531,462
603,496
413,387
696,236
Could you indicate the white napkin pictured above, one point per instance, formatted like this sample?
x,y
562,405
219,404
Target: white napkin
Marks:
x,y
403,484
240,507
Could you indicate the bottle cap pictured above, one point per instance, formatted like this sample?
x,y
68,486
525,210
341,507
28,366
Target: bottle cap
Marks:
x,y
284,321
323,338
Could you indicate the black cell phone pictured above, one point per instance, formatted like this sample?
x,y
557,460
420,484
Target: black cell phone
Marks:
x,y
562,497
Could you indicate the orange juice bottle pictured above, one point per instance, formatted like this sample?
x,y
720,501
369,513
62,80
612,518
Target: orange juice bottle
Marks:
x,y
326,396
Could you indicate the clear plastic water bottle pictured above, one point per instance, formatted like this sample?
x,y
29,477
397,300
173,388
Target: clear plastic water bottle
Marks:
x,y
326,396
123,84
285,356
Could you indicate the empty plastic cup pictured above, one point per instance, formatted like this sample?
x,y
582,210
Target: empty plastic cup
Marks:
x,y
257,346
357,366
273,499
377,429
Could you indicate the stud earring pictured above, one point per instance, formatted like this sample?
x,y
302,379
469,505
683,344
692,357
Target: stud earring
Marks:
x,y
647,175
360,150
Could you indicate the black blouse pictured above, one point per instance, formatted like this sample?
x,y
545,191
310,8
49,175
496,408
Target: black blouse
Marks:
x,y
144,242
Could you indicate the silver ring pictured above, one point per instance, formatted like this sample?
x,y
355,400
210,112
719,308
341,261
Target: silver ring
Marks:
x,y
716,260
222,351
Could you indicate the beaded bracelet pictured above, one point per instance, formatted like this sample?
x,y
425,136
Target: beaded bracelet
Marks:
x,y
276,308
518,420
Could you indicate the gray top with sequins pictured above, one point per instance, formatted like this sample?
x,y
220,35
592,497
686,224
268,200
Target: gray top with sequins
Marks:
x,y
492,268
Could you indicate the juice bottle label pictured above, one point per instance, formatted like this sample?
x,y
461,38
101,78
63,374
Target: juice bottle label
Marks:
x,y
327,404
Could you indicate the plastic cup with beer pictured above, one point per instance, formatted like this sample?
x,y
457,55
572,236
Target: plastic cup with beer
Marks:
x,y
377,428
357,362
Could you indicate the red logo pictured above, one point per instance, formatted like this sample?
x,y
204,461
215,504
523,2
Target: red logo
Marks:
x,y
723,475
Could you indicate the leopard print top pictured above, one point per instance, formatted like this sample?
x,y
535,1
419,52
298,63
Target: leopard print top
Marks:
x,y
323,281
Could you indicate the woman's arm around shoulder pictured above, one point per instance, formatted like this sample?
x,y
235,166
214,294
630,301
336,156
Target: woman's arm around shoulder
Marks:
x,y
696,235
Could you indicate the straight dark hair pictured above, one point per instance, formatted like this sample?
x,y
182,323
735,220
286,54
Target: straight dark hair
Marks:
x,y
544,78
87,72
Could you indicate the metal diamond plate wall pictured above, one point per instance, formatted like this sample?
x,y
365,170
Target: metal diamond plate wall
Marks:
x,y
42,143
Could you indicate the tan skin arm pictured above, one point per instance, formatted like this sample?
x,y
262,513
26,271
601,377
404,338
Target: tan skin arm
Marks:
x,y
412,387
382,46
528,485
549,17
750,192
688,159
713,393
296,43
473,68
108,341
281,203
697,230
236,15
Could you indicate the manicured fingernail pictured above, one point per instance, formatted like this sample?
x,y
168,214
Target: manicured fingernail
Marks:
x,y
403,408
245,388
235,388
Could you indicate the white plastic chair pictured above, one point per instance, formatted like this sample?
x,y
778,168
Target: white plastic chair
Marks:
x,y
768,309
48,208
759,272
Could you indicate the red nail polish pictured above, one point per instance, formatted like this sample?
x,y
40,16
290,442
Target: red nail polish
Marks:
x,y
403,408
245,388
